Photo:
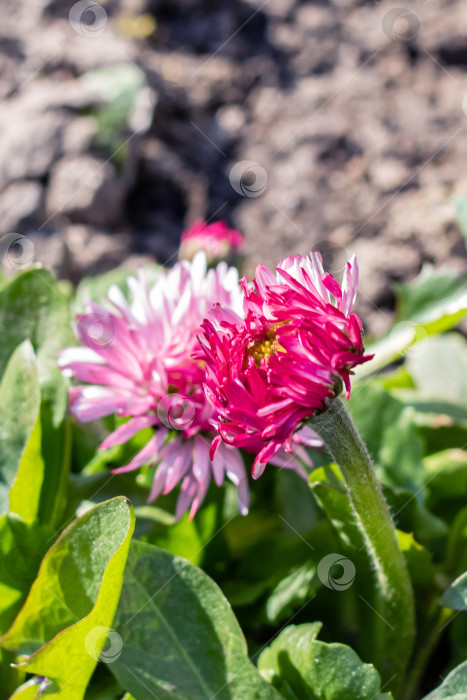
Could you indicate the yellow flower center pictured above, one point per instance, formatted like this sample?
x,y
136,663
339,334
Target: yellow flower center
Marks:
x,y
264,348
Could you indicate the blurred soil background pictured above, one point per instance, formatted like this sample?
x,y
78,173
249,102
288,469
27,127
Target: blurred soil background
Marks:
x,y
339,125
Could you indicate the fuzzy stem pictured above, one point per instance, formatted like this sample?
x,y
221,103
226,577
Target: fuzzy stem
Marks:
x,y
394,601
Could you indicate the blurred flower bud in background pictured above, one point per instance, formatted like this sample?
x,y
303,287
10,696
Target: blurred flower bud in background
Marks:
x,y
217,240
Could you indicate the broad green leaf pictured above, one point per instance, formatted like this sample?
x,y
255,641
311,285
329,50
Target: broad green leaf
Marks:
x,y
181,640
19,413
22,547
303,668
455,598
454,687
440,368
33,307
67,617
433,303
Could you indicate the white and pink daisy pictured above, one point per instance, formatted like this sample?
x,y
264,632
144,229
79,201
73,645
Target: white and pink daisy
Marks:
x,y
142,360
278,364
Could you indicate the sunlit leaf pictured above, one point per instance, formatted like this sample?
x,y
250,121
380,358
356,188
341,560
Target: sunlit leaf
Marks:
x,y
66,620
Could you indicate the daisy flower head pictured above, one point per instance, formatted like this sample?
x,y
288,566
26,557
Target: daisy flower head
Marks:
x,y
217,240
140,359
269,372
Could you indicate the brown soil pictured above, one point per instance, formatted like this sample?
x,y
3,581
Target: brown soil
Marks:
x,y
332,125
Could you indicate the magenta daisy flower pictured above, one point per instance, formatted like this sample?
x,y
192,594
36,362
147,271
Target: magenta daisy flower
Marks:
x,y
142,360
269,372
216,240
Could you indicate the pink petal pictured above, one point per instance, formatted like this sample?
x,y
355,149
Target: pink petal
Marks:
x,y
126,431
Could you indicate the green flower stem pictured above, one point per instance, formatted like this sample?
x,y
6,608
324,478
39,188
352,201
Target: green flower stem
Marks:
x,y
394,601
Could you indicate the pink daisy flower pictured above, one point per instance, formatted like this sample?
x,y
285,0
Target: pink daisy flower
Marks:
x,y
269,372
142,360
216,240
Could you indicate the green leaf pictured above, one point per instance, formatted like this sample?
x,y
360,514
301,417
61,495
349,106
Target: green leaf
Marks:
x,y
454,687
40,489
411,515
433,303
419,560
455,598
34,453
293,590
22,547
27,691
66,619
389,431
447,482
440,368
19,413
32,307
303,668
181,640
